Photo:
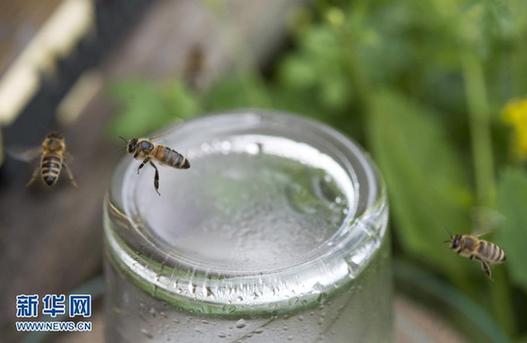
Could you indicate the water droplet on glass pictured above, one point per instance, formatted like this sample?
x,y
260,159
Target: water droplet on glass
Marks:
x,y
324,188
240,323
322,297
252,149
147,334
208,292
192,288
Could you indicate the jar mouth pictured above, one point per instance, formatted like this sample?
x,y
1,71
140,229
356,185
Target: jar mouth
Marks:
x,y
156,262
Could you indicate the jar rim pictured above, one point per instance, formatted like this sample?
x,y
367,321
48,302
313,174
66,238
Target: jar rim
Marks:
x,y
348,251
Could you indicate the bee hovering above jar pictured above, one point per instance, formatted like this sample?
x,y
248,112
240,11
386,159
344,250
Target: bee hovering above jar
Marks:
x,y
144,150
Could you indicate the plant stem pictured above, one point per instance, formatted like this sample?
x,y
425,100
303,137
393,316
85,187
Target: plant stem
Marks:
x,y
360,83
478,110
479,130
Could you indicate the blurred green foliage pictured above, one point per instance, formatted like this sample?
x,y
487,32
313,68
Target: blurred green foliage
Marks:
x,y
429,188
512,198
147,107
421,84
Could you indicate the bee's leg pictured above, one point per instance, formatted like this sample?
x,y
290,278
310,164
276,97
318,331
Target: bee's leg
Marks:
x,y
70,175
145,161
156,178
34,176
486,268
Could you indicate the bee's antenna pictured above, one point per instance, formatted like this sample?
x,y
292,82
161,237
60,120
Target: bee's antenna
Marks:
x,y
52,132
125,142
448,232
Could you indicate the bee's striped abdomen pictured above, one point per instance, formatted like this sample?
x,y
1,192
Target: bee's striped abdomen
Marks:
x,y
172,158
503,257
491,252
483,249
50,166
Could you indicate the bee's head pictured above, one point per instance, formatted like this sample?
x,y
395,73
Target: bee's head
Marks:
x,y
131,144
54,141
55,135
454,241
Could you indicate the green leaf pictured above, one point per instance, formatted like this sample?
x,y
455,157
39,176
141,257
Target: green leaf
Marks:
x,y
426,182
297,72
238,90
146,107
142,109
180,101
512,234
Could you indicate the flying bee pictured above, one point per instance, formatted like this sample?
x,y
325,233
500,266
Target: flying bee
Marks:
x,y
52,159
474,248
145,150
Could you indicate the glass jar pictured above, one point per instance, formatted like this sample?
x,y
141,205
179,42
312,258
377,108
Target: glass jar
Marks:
x,y
276,233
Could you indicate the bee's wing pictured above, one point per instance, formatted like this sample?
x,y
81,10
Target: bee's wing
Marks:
x,y
161,134
157,137
485,220
68,156
24,154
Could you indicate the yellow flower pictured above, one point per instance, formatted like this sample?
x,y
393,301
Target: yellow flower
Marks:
x,y
515,115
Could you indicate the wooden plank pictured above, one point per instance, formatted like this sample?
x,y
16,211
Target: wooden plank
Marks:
x,y
19,23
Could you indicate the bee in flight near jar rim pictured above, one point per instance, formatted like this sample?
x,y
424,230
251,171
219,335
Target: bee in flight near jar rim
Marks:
x,y
144,150
53,153
474,248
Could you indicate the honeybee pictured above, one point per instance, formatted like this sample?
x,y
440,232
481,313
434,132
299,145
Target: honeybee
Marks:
x,y
474,248
145,150
52,159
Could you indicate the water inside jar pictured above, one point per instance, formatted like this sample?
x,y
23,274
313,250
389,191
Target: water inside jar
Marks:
x,y
248,203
